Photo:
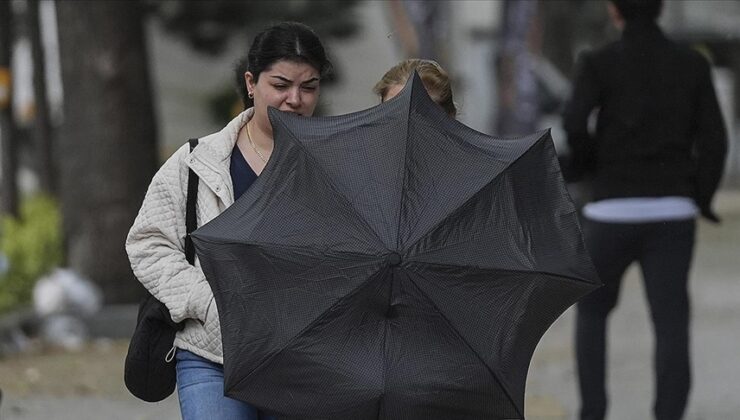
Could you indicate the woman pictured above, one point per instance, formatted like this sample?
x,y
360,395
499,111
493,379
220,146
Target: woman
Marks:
x,y
283,69
433,76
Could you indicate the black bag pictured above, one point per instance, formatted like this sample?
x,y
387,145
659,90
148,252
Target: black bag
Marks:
x,y
149,370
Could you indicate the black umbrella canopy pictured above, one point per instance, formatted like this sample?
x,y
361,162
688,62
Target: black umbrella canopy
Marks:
x,y
393,264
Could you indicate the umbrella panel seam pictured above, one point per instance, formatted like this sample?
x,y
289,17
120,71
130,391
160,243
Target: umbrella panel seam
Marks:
x,y
344,199
495,179
308,327
508,271
470,347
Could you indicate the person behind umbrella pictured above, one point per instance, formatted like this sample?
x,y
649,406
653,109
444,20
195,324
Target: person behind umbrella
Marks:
x,y
283,69
433,76
655,161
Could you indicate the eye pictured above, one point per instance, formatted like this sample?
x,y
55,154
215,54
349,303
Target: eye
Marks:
x,y
280,86
309,88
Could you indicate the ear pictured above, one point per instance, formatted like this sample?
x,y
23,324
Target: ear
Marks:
x,y
249,81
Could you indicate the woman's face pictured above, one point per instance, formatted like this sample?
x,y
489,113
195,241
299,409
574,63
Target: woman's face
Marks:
x,y
286,85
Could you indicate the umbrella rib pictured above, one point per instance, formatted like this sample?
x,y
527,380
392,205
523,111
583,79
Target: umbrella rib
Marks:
x,y
452,327
403,181
211,240
503,270
344,200
474,195
306,328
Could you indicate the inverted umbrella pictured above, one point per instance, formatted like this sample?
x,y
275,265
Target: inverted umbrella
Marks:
x,y
393,264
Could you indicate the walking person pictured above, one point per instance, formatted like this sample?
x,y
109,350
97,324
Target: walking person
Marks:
x,y
283,69
655,162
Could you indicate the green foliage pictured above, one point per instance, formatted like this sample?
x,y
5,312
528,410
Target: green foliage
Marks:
x,y
32,244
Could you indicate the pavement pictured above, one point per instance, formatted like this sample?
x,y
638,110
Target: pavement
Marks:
x,y
87,383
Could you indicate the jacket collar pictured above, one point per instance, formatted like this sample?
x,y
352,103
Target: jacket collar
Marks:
x,y
642,29
211,159
218,146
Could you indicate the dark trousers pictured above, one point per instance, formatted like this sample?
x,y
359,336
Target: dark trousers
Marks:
x,y
664,251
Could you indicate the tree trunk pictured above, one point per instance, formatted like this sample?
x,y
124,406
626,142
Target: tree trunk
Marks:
x,y
107,142
42,133
9,197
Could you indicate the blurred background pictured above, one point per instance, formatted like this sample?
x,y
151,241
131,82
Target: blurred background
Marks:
x,y
95,95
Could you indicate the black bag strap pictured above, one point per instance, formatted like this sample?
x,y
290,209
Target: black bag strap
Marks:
x,y
190,217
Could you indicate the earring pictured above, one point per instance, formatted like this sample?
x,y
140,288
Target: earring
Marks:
x,y
250,95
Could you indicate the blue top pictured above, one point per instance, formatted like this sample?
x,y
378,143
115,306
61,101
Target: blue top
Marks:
x,y
242,175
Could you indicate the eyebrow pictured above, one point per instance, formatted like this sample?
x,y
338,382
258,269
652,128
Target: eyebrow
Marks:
x,y
286,80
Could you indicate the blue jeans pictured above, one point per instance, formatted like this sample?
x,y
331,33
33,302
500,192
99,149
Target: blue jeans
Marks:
x,y
200,388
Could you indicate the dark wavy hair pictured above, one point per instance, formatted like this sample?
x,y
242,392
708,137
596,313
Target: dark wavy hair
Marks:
x,y
291,41
639,9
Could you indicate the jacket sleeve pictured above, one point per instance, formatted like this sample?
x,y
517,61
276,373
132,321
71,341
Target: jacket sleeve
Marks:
x,y
155,246
710,139
583,100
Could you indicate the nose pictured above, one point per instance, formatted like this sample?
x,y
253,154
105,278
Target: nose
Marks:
x,y
293,98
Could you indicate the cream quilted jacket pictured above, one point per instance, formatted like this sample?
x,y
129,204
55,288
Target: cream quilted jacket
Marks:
x,y
155,243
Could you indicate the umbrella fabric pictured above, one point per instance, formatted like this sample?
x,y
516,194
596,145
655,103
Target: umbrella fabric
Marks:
x,y
393,264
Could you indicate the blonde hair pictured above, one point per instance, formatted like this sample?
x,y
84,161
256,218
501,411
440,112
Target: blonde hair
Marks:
x,y
435,79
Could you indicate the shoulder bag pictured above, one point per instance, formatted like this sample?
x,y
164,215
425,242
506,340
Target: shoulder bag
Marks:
x,y
149,370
